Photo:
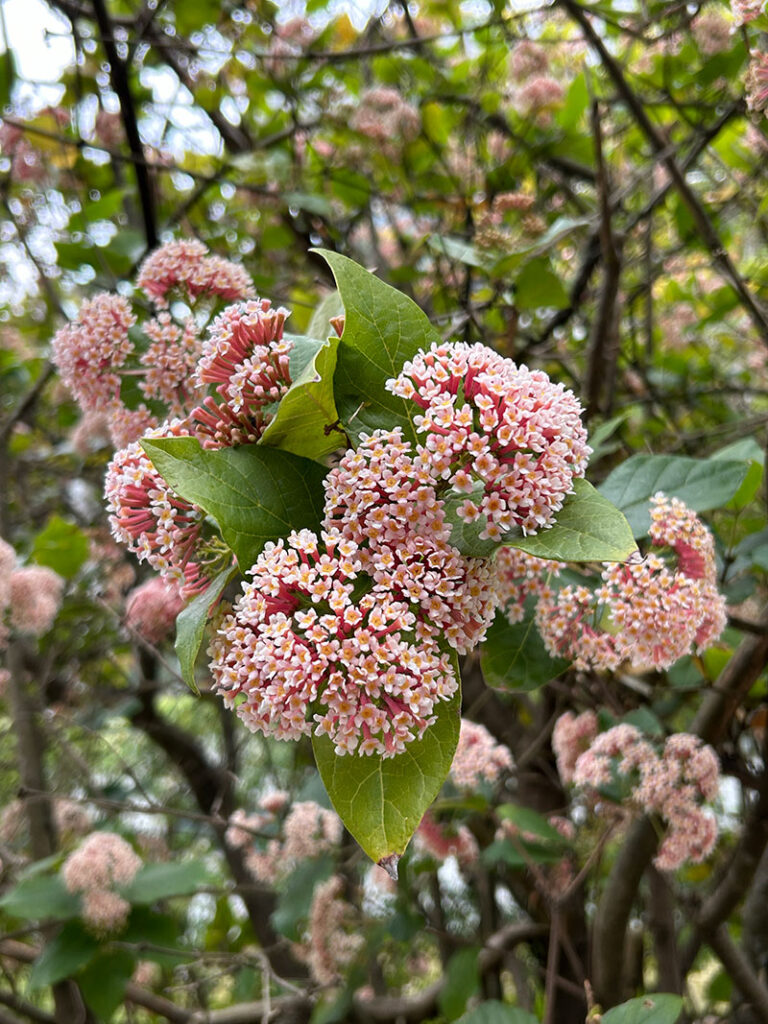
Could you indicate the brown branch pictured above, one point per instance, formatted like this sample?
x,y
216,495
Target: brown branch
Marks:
x,y
704,226
740,971
119,77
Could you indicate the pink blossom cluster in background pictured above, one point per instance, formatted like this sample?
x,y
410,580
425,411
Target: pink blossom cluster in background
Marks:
x,y
506,436
306,832
333,939
712,32
101,864
103,345
152,607
650,612
478,757
522,576
756,81
443,841
382,114
30,596
672,783
747,10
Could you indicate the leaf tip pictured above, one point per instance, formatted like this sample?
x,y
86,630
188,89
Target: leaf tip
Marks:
x,y
389,863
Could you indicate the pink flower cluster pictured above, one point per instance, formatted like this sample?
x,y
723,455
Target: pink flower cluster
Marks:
x,y
746,10
151,519
307,831
712,32
756,81
384,499
333,939
30,596
478,757
187,267
385,116
502,434
152,607
170,361
297,640
571,737
247,359
650,612
522,576
443,841
102,863
671,784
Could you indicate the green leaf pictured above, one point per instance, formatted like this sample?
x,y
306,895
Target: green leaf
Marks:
x,y
382,330
537,285
745,450
320,324
462,980
576,102
494,1012
65,954
599,437
382,800
654,1009
161,881
556,232
513,657
41,897
701,483
528,820
466,536
305,418
461,251
588,528
254,493
104,980
62,546
159,934
190,625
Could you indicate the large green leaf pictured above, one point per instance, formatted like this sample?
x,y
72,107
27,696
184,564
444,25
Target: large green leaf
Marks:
x,y
104,979
462,980
62,546
161,881
295,898
254,493
513,657
190,625
305,418
382,800
382,329
701,483
654,1009
40,897
65,954
494,1012
531,822
588,528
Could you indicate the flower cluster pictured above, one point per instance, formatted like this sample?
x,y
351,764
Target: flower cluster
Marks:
x,y
384,499
247,359
301,653
650,612
571,737
671,784
382,114
504,435
332,941
444,841
522,576
478,757
746,10
756,81
187,267
151,519
152,607
30,596
103,862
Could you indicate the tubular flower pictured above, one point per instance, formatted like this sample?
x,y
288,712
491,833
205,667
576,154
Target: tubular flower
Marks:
x,y
478,756
160,527
522,576
187,266
299,654
504,435
248,360
90,350
672,784
569,626
384,500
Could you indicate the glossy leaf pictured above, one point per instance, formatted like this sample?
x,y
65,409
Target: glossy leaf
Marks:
x,y
494,1012
653,1009
64,955
588,528
305,419
161,881
701,483
382,800
40,897
513,657
104,980
382,329
254,493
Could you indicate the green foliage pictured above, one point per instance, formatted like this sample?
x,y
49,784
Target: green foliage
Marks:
x,y
64,955
652,1009
254,493
513,657
104,979
155,882
702,484
40,897
62,546
494,1012
382,329
461,982
190,625
382,800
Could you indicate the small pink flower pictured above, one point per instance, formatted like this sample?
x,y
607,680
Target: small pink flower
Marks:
x,y
186,265
151,609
